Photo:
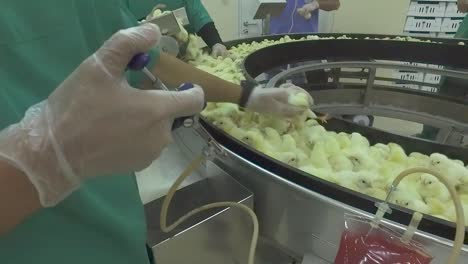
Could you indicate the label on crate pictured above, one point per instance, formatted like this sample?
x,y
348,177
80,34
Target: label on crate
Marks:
x,y
423,24
452,11
450,24
425,9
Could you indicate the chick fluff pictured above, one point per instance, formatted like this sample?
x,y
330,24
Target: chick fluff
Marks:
x,y
346,159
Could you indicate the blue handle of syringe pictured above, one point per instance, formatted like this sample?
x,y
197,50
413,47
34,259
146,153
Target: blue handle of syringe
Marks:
x,y
138,62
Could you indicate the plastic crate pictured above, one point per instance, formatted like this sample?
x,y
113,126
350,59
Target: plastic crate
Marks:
x,y
450,24
420,34
423,24
452,11
429,89
432,78
446,34
409,86
409,76
425,9
435,66
414,63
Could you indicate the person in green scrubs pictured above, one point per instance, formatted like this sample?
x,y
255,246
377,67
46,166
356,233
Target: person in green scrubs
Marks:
x,y
451,86
201,22
103,221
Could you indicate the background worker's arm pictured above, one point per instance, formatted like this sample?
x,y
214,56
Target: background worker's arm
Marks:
x,y
202,24
175,72
329,5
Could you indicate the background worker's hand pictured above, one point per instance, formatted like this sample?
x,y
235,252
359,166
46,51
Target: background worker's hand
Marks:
x,y
276,100
95,123
462,6
219,49
307,9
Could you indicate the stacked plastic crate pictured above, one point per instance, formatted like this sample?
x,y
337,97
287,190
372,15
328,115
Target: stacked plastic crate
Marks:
x,y
430,18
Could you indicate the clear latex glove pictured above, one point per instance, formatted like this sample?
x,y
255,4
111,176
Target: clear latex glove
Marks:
x,y
307,9
462,6
275,100
95,123
219,49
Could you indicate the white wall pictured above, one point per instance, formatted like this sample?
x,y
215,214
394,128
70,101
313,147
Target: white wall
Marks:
x,y
225,14
371,16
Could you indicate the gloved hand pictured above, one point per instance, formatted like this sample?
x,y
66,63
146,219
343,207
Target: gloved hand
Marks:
x,y
219,49
462,6
275,100
307,9
95,123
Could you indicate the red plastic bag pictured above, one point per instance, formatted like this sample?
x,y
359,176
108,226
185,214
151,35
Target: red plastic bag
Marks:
x,y
362,244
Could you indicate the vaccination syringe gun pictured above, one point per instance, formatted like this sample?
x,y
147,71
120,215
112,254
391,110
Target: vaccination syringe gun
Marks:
x,y
211,150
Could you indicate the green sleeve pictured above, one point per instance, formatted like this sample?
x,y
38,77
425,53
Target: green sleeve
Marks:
x,y
196,12
141,8
136,78
463,29
197,15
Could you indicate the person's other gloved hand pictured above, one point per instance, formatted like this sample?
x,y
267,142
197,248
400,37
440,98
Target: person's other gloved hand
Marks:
x,y
307,9
219,49
462,6
275,100
95,123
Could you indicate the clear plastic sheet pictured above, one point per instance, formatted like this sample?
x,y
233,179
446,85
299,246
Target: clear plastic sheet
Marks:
x,y
363,244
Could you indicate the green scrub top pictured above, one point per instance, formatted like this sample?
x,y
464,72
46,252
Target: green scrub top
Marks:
x,y
196,12
41,43
463,29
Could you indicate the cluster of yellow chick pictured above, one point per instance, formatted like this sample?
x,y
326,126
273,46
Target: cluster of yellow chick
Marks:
x,y
345,159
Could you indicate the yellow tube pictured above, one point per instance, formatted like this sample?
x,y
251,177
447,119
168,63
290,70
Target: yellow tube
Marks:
x,y
194,165
460,233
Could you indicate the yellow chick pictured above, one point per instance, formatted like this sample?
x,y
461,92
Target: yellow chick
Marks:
x,y
358,142
340,162
299,122
361,160
255,139
450,213
357,181
344,140
248,119
376,193
279,124
391,170
301,143
223,110
416,159
455,173
227,125
431,187
287,144
410,199
300,100
324,174
272,136
289,158
437,206
459,162
331,144
397,154
313,135
379,153
317,157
